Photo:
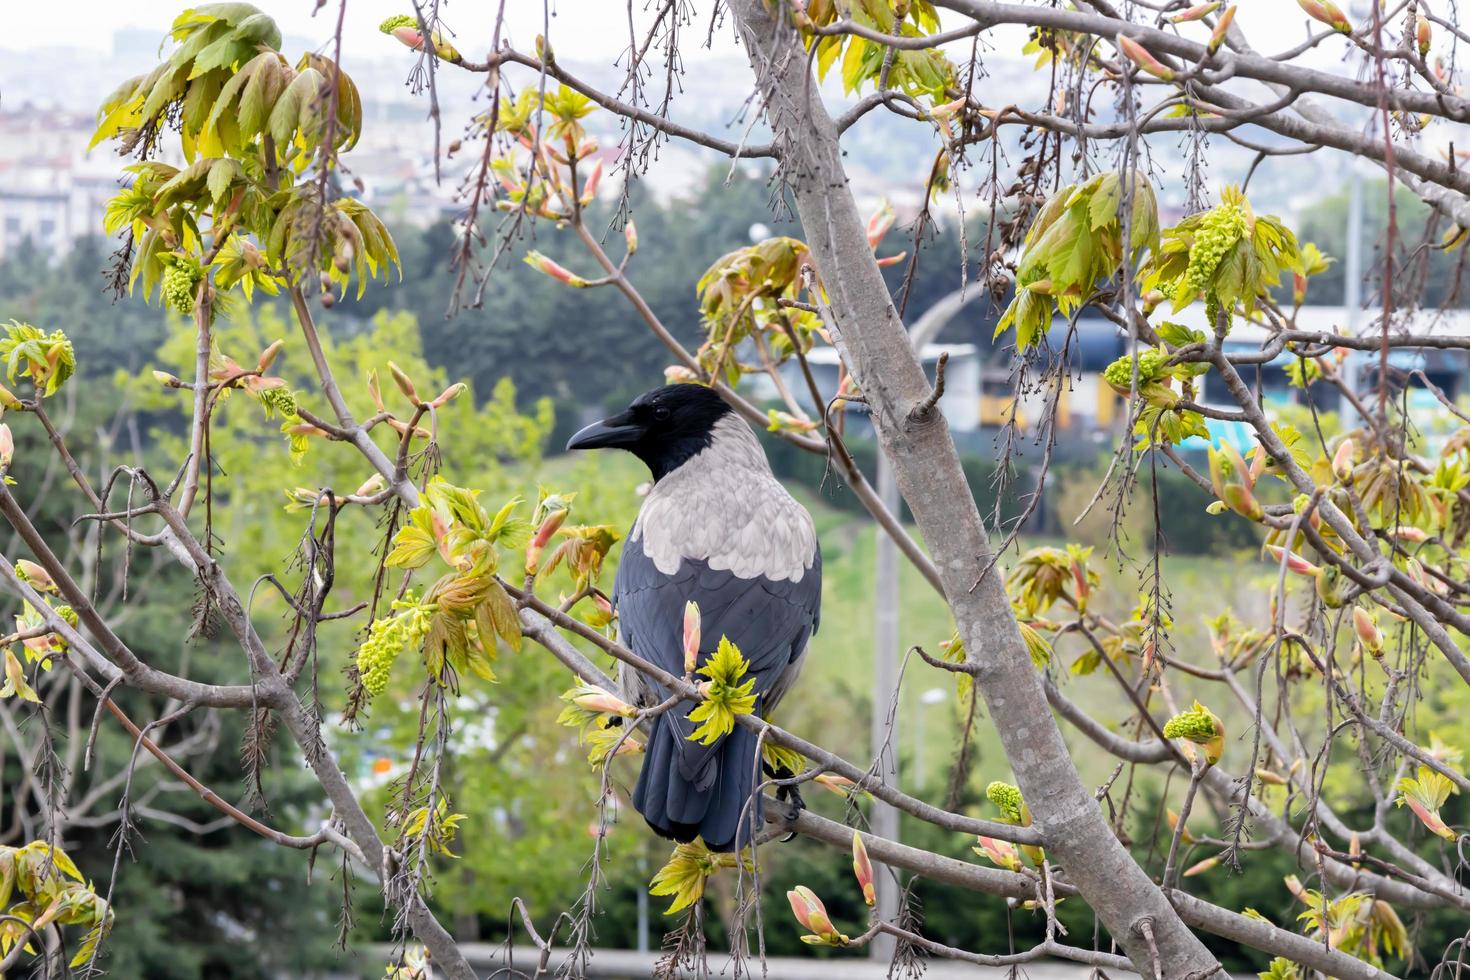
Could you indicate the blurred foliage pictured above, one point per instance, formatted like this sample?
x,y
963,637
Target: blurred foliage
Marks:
x,y
1326,223
190,898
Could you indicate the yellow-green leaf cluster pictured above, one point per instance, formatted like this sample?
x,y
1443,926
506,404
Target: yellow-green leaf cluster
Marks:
x,y
687,870
919,72
1229,256
47,359
1075,243
1045,576
413,965
435,827
739,297
249,126
40,886
725,694
604,739
471,609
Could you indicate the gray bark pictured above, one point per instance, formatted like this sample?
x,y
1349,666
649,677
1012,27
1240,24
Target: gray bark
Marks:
x,y
874,344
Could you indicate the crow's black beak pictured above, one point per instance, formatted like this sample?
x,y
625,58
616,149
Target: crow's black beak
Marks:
x,y
617,432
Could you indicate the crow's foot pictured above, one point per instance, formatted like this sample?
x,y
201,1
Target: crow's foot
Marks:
x,y
791,795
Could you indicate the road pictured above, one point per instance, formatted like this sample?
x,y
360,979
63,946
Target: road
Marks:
x,y
622,964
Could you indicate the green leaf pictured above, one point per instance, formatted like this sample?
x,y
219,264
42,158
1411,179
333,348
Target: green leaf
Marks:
x,y
222,174
412,548
1103,207
503,616
294,102
169,87
852,65
268,77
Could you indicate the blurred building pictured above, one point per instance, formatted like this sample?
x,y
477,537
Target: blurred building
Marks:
x,y
987,390
52,191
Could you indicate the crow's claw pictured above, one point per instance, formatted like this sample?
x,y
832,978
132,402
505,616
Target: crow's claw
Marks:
x,y
791,795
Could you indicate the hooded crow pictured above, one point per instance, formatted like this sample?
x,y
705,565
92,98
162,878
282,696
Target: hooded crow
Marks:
x,y
717,529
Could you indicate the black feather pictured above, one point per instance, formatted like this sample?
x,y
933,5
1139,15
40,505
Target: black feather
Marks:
x,y
685,788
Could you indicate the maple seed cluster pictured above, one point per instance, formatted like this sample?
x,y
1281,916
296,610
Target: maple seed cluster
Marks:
x,y
180,282
1195,726
1007,800
1218,233
387,638
281,401
1152,366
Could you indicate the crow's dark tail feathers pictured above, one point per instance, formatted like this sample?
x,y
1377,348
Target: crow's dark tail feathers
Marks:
x,y
708,803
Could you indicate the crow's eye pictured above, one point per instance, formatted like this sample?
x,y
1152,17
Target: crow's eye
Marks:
x,y
661,413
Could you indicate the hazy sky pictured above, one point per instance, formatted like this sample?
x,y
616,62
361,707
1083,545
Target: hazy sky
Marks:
x,y
587,28
590,27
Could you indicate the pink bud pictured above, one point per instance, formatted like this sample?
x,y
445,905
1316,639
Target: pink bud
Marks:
x,y
1239,499
1000,853
1238,462
1201,867
1199,12
268,356
1422,578
600,700
409,37
1080,584
1222,28
538,542
370,486
879,223
1327,13
1367,630
1141,57
1425,34
38,577
863,869
543,264
1294,562
7,445
589,189
691,636
449,394
834,783
629,746
812,914
1430,819
1342,460
405,383
630,236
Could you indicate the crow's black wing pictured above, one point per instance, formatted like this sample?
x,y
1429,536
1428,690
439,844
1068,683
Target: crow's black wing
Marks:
x,y
769,620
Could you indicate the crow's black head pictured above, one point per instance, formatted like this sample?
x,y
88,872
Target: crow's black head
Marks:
x,y
663,427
